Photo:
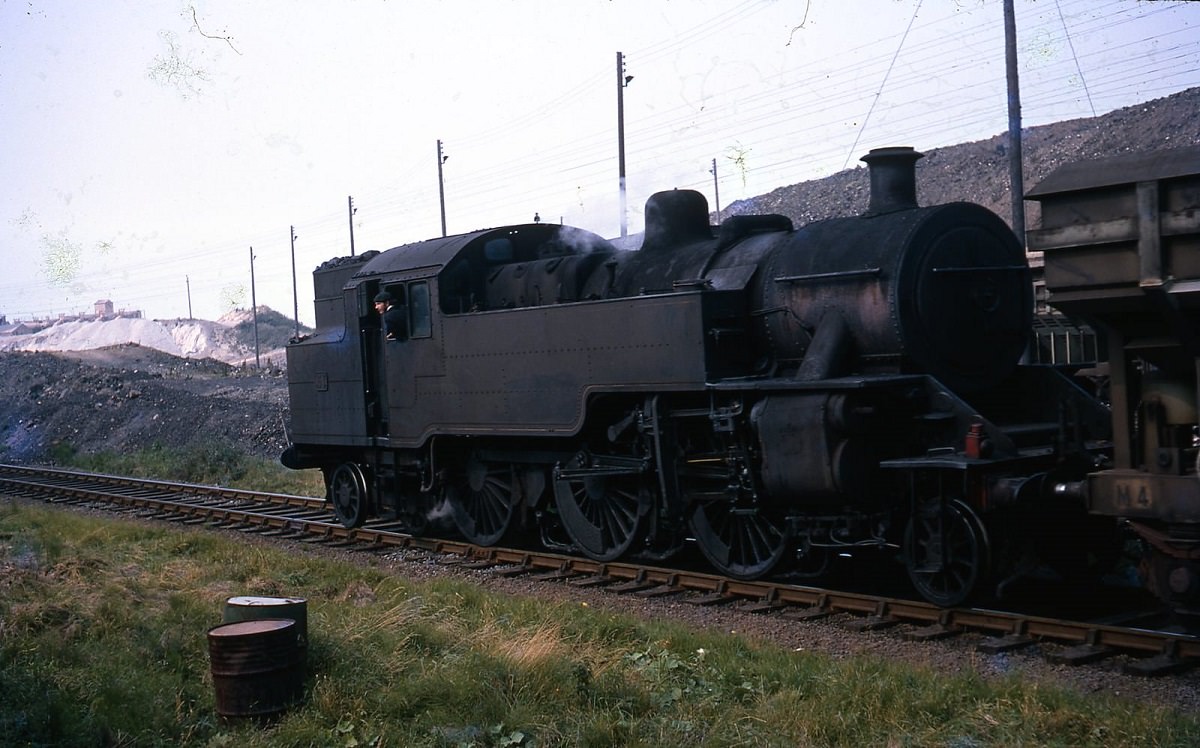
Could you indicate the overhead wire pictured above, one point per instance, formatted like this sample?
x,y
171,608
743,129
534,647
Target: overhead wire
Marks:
x,y
484,182
886,75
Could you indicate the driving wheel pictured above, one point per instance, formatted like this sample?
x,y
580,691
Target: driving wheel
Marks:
x,y
348,494
946,552
483,501
602,514
741,542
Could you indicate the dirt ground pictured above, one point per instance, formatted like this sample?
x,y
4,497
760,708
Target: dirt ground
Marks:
x,y
129,397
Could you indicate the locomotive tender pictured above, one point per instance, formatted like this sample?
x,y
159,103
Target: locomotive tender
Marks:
x,y
774,395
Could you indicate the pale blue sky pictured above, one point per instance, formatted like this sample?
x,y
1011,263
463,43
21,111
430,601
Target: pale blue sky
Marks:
x,y
149,144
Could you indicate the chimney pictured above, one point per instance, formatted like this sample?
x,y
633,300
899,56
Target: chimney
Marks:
x,y
893,179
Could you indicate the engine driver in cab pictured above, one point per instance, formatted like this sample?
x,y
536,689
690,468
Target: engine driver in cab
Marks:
x,y
395,325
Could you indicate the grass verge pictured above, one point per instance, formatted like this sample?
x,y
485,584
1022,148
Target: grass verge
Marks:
x,y
211,463
102,642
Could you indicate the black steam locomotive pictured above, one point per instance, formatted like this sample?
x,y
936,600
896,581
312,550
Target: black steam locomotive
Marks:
x,y
776,396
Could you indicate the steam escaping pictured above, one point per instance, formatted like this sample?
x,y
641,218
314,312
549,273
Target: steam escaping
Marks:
x,y
579,241
441,512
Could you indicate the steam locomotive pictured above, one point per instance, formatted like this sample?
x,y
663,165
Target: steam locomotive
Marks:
x,y
772,396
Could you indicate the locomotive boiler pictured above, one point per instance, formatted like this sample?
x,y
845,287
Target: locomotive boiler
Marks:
x,y
774,396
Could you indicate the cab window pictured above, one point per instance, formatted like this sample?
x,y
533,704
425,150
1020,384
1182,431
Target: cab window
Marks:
x,y
498,250
420,323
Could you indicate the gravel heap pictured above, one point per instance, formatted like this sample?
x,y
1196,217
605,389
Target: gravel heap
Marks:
x,y
128,397
132,383
978,172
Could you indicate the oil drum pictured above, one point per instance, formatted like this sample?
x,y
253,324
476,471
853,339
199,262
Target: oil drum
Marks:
x,y
257,667
253,608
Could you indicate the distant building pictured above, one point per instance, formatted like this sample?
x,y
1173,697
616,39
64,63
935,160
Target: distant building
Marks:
x,y
19,328
102,310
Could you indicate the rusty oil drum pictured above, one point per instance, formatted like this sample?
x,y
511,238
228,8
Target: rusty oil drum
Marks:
x,y
257,667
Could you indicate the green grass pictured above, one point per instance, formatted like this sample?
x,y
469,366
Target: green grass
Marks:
x,y
214,463
102,642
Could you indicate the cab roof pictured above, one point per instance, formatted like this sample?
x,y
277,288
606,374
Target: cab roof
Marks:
x,y
517,243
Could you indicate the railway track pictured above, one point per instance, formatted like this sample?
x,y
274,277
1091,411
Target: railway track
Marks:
x,y
1151,652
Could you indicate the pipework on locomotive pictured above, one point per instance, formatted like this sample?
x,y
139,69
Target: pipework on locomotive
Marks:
x,y
773,396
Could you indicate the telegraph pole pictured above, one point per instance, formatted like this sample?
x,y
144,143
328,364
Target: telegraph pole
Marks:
x,y
622,82
188,281
350,207
1015,178
716,190
295,293
254,308
441,185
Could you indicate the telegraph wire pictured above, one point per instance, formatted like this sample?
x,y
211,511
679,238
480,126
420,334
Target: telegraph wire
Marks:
x,y
1071,46
882,83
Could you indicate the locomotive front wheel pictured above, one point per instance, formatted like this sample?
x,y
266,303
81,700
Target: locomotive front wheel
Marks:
x,y
602,515
348,494
946,552
744,543
483,501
